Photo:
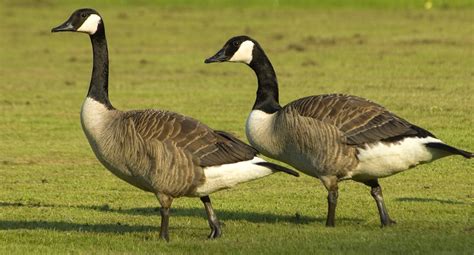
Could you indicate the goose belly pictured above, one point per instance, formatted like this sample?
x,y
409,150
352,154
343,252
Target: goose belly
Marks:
x,y
317,161
301,161
228,175
384,159
113,159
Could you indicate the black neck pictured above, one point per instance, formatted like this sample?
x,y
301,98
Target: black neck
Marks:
x,y
99,87
267,92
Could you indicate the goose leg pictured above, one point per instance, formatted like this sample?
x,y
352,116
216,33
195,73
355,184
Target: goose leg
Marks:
x,y
165,202
211,218
376,192
331,185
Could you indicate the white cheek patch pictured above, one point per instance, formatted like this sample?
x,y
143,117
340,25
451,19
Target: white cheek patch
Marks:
x,y
244,53
90,25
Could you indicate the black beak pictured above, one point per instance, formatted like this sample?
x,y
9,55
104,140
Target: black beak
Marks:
x,y
66,26
219,57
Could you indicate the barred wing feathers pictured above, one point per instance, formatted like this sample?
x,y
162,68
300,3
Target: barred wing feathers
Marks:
x,y
361,120
208,147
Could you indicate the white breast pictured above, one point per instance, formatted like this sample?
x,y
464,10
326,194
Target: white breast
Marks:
x,y
228,175
385,159
260,132
92,118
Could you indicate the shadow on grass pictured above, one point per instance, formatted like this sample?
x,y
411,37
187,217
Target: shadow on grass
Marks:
x,y
223,215
69,226
429,200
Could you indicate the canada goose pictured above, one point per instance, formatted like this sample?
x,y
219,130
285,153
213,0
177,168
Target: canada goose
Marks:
x,y
157,151
331,137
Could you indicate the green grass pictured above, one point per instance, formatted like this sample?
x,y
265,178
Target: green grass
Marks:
x,y
55,197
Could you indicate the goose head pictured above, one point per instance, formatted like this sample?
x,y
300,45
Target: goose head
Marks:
x,y
82,20
239,49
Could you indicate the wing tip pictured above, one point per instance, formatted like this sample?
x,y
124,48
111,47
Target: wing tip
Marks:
x,y
278,168
450,149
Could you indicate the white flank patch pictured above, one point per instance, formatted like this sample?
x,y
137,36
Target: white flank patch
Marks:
x,y
90,25
259,131
385,159
92,116
228,175
244,53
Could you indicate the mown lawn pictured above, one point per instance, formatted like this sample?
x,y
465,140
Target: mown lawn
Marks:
x,y
55,197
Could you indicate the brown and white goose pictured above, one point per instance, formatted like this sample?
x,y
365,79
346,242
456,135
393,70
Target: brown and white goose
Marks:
x,y
162,152
331,137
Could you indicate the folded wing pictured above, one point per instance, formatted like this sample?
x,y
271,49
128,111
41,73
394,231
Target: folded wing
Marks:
x,y
361,120
207,146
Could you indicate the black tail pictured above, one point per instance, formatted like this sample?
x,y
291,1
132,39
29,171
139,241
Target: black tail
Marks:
x,y
450,149
278,168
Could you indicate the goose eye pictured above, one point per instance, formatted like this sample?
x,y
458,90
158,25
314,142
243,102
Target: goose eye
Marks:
x,y
235,44
83,15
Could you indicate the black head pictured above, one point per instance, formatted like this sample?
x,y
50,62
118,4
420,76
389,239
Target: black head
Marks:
x,y
236,49
82,20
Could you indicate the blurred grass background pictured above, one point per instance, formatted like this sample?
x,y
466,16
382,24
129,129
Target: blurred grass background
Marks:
x,y
55,197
